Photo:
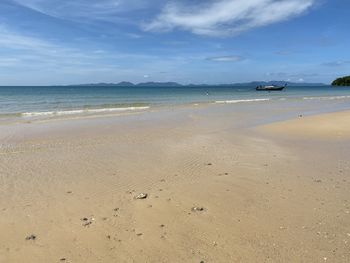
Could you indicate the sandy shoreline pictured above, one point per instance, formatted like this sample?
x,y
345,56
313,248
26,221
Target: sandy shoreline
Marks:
x,y
265,197
324,126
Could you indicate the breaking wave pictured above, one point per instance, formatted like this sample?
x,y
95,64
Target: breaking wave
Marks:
x,y
240,101
327,98
82,111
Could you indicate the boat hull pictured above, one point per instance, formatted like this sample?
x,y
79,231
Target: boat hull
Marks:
x,y
270,89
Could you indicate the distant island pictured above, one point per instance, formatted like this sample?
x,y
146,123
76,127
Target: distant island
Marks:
x,y
344,81
175,84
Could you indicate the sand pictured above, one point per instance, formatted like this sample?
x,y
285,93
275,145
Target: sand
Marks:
x,y
324,126
266,197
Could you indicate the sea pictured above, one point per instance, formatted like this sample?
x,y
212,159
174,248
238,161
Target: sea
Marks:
x,y
33,102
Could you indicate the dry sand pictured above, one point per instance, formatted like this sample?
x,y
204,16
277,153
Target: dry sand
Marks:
x,y
265,197
324,126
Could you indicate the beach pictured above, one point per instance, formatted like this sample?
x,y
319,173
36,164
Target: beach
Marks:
x,y
223,184
175,131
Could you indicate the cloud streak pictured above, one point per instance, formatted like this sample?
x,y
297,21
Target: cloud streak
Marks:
x,y
108,10
338,63
225,17
225,58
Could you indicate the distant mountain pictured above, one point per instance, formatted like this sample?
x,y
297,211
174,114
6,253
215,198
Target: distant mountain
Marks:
x,y
278,83
159,84
123,83
345,81
175,84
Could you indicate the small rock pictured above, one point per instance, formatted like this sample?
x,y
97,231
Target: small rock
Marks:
x,y
87,221
197,209
141,196
31,237
63,259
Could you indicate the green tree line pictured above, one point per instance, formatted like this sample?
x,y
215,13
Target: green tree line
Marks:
x,y
345,81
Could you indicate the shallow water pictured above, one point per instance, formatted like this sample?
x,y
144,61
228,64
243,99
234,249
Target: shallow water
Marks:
x,y
44,102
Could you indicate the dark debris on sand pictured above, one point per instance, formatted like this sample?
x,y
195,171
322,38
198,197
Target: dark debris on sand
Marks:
x,y
31,237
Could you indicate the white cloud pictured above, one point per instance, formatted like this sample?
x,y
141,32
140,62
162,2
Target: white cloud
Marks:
x,y
226,58
338,63
226,17
29,51
87,9
38,60
8,62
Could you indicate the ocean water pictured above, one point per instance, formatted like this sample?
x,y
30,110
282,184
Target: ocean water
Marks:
x,y
39,102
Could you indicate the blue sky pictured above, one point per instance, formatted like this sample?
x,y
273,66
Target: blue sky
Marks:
x,y
44,42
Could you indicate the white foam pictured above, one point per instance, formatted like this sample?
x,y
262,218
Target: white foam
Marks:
x,y
240,101
327,98
86,111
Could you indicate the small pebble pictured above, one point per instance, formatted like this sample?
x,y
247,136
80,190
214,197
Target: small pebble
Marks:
x,y
197,209
31,237
141,196
87,221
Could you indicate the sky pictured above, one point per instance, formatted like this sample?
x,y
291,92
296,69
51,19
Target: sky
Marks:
x,y
55,42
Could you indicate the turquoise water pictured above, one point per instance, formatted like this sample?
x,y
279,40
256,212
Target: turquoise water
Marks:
x,y
26,102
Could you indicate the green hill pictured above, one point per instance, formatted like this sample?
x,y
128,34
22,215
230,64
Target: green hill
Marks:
x,y
345,81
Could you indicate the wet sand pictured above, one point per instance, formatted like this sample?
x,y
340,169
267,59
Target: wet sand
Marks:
x,y
261,196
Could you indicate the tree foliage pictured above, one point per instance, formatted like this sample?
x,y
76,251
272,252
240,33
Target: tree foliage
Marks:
x,y
345,81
